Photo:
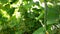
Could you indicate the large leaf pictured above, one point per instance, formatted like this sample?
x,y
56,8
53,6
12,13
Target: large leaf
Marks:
x,y
52,16
39,31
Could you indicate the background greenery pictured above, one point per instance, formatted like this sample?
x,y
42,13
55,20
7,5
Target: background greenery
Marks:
x,y
27,16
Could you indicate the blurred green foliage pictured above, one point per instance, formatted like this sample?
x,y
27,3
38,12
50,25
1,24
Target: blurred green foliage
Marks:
x,y
27,17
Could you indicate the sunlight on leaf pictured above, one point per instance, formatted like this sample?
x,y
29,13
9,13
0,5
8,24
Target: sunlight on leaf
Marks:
x,y
5,14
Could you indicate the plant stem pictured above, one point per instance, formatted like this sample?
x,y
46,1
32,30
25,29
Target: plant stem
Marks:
x,y
45,15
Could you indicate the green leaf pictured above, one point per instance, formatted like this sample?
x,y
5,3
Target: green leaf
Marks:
x,y
41,1
18,32
39,31
3,1
13,22
52,16
1,27
9,10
